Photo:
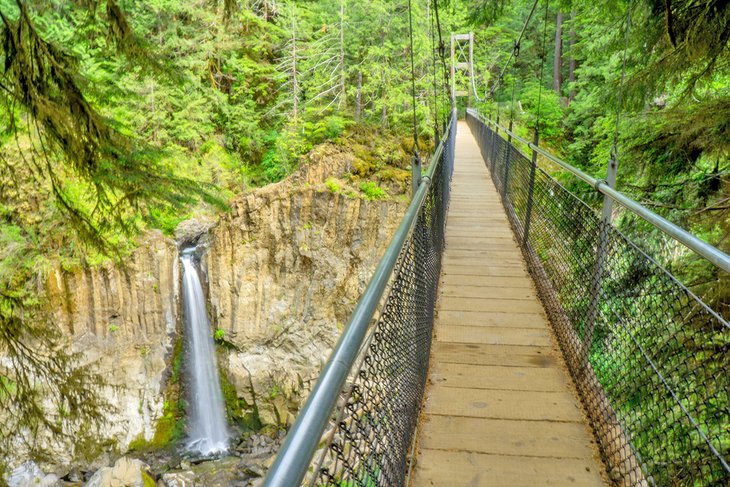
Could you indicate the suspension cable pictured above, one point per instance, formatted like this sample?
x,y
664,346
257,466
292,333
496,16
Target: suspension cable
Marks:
x,y
515,50
413,83
512,103
542,69
434,64
614,148
473,83
441,47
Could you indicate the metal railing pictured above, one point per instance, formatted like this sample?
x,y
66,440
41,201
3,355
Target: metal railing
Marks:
x,y
362,412
648,357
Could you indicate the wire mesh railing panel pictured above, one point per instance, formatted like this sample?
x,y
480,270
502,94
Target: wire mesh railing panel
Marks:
x,y
373,428
649,358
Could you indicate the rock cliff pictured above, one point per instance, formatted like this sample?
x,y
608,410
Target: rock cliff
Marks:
x,y
124,321
284,268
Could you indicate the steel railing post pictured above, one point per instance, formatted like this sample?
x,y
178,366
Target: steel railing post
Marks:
x,y
505,193
415,174
598,269
530,191
495,138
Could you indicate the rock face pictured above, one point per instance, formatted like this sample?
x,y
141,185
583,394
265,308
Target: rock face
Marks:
x,y
284,269
124,322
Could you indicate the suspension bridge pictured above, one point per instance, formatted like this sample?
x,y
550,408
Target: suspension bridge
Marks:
x,y
513,336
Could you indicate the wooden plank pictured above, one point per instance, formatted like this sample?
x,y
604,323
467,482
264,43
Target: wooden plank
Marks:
x,y
514,260
456,469
483,254
486,354
502,292
493,335
481,319
498,377
489,403
483,243
485,304
485,270
506,437
448,280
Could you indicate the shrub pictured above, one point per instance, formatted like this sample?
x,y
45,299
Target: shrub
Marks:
x,y
372,191
332,185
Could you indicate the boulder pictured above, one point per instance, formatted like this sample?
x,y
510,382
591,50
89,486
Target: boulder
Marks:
x,y
126,472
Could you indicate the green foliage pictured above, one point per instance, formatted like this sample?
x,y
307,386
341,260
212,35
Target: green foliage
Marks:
x,y
333,185
372,191
147,480
240,412
546,104
170,428
219,334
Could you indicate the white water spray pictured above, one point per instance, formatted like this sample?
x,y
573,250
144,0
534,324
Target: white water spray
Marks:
x,y
207,418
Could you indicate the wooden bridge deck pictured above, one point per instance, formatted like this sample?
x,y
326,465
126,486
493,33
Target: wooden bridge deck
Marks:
x,y
499,408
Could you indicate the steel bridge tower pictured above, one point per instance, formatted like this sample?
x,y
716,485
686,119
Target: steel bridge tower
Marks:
x,y
462,60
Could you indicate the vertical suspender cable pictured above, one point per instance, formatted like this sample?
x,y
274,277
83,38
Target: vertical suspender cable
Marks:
x,y
613,164
533,167
442,49
515,50
607,209
416,159
543,55
435,82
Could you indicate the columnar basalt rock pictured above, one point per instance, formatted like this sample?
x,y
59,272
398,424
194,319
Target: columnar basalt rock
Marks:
x,y
284,269
123,320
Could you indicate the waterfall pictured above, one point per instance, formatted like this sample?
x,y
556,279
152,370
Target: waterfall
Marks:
x,y
207,431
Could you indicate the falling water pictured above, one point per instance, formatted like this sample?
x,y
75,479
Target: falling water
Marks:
x,y
206,419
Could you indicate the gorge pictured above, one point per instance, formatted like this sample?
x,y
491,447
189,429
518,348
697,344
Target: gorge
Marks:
x,y
282,270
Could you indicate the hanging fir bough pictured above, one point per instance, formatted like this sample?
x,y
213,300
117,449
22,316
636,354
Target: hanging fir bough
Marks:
x,y
123,174
45,391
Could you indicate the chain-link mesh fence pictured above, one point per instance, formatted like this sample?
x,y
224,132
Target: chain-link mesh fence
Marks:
x,y
368,441
649,358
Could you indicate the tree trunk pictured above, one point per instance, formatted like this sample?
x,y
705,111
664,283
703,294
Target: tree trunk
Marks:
x,y
343,101
358,105
558,58
294,67
572,62
295,79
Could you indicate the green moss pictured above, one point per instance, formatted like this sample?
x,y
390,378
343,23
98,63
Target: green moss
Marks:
x,y
333,185
239,411
170,428
363,166
372,191
394,174
138,444
147,480
87,445
219,334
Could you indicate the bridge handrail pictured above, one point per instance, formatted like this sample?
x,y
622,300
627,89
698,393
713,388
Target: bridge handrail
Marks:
x,y
301,442
702,248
